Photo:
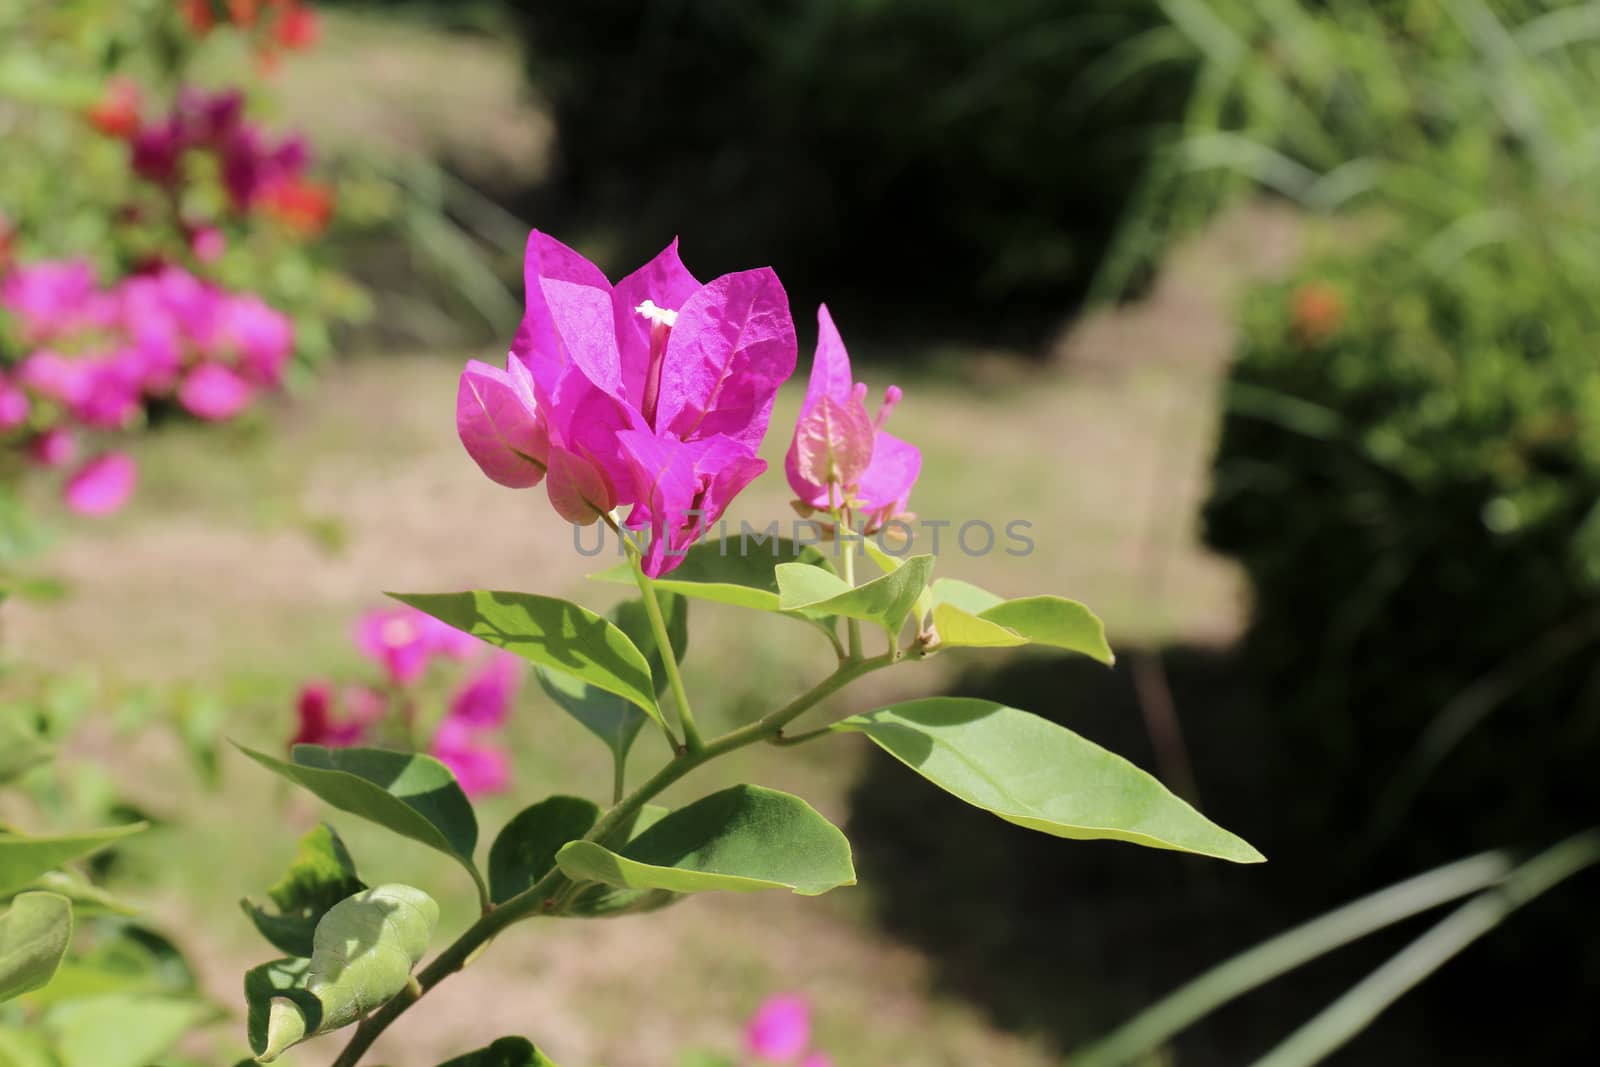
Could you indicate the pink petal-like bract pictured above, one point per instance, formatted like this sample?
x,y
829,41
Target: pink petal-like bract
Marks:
x,y
780,1030
396,639
833,445
664,282
500,424
14,406
682,488
54,447
731,348
579,490
214,392
102,485
884,487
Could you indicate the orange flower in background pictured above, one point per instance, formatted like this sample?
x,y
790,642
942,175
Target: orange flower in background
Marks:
x,y
117,112
244,12
303,206
1317,310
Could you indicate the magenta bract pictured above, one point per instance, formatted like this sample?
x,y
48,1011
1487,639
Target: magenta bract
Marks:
x,y
780,1030
653,394
102,485
828,439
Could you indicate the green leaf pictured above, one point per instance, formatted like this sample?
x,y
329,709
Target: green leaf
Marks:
x,y
741,839
365,948
24,858
414,795
552,633
1031,772
121,1030
608,716
885,600
86,897
506,1052
967,616
21,747
525,851
34,935
745,579
607,902
320,875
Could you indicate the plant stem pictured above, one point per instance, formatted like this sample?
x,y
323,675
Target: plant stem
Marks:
x,y
669,658
541,896
841,524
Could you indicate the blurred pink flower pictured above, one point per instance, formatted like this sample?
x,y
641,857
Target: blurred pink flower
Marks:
x,y
485,700
780,1030
207,244
478,766
653,393
213,391
102,485
319,725
262,336
14,406
54,447
50,297
403,641
54,375
877,480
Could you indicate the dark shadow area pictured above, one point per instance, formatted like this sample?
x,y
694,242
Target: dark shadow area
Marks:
x,y
1069,939
935,170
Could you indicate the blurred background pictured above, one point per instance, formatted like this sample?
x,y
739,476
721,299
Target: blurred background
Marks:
x,y
1276,319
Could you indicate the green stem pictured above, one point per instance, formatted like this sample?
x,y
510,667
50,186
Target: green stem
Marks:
x,y
669,658
543,896
841,524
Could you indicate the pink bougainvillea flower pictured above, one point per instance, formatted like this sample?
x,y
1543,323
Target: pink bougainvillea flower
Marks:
x,y
212,391
500,424
14,405
319,725
262,336
51,298
403,641
55,447
109,394
478,766
102,485
208,244
656,392
829,458
485,700
54,375
780,1030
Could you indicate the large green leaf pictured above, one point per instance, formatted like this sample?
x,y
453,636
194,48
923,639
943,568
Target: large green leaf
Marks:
x,y
886,600
600,901
609,717
741,839
506,1052
320,876
365,948
414,795
21,747
34,935
552,633
966,616
24,858
121,1030
86,897
525,851
1034,773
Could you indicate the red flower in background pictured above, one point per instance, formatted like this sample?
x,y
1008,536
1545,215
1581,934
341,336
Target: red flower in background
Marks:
x,y
117,112
303,206
198,14
298,28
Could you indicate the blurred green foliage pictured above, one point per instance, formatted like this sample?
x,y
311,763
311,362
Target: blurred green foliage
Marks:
x,y
939,162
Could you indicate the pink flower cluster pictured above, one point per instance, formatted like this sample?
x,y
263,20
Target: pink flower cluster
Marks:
x,y
96,357
251,165
404,643
655,393
780,1032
